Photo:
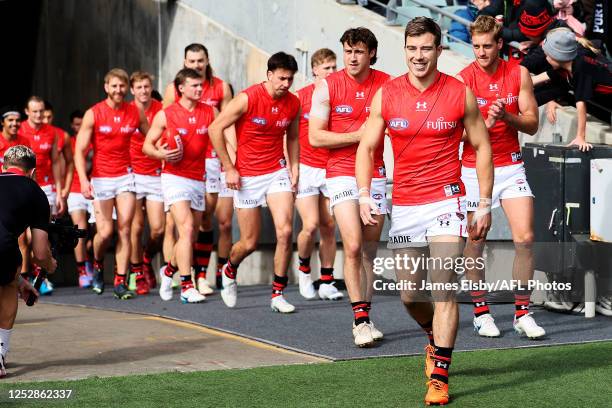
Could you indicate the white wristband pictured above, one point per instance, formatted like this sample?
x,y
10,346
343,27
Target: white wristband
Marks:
x,y
479,213
364,190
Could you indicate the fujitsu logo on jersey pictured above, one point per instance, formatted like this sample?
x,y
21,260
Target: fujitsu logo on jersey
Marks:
x,y
105,129
421,106
45,146
283,123
211,102
510,99
344,109
259,121
202,131
127,129
481,101
398,123
441,124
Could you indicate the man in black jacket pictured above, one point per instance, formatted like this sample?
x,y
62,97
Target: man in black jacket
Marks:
x,y
22,205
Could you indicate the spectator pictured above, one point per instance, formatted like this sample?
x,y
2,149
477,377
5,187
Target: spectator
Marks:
x,y
579,69
535,21
458,30
570,11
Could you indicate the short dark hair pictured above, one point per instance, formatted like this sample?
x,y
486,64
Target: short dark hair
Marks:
x,y
353,36
423,25
197,47
76,114
182,76
48,106
282,60
156,95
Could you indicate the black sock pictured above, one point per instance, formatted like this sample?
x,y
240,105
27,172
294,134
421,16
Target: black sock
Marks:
x,y
304,264
279,283
442,361
360,311
327,275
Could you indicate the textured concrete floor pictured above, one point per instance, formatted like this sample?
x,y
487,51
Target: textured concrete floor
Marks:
x,y
53,342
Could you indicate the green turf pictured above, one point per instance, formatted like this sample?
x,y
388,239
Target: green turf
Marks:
x,y
564,376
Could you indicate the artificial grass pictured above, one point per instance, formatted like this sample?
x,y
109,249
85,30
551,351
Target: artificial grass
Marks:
x,y
560,376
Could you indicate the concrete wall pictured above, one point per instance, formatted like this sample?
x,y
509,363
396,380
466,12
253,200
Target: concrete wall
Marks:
x,y
79,42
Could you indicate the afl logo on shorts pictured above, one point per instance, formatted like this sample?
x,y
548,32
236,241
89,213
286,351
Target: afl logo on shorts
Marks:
x,y
481,101
344,109
282,162
259,121
377,196
105,129
398,123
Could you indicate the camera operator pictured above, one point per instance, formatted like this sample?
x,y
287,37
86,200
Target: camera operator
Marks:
x,y
22,204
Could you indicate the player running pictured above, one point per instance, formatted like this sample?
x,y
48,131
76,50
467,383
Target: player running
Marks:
x,y
340,107
217,94
147,180
312,199
108,126
505,97
263,114
425,113
183,130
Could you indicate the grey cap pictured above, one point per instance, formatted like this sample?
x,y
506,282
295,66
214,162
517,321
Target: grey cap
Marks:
x,y
560,45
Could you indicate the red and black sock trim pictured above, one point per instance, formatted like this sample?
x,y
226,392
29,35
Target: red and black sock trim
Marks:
x,y
428,329
442,361
327,275
479,300
170,270
186,282
119,279
231,270
137,269
521,303
202,249
220,263
361,313
278,285
304,264
81,269
98,264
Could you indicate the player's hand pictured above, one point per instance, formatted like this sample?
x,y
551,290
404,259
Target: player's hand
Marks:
x,y
497,110
295,176
171,155
24,287
581,143
52,266
87,189
367,207
481,222
551,111
59,205
232,179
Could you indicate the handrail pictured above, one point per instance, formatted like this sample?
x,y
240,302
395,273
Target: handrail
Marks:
x,y
390,8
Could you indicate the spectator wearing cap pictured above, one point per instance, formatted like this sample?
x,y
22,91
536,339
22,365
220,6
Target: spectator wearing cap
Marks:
x,y
510,10
579,68
535,21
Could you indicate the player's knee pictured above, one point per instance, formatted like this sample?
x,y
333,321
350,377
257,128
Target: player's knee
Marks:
x,y
352,250
250,245
225,226
284,234
310,228
328,228
525,238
